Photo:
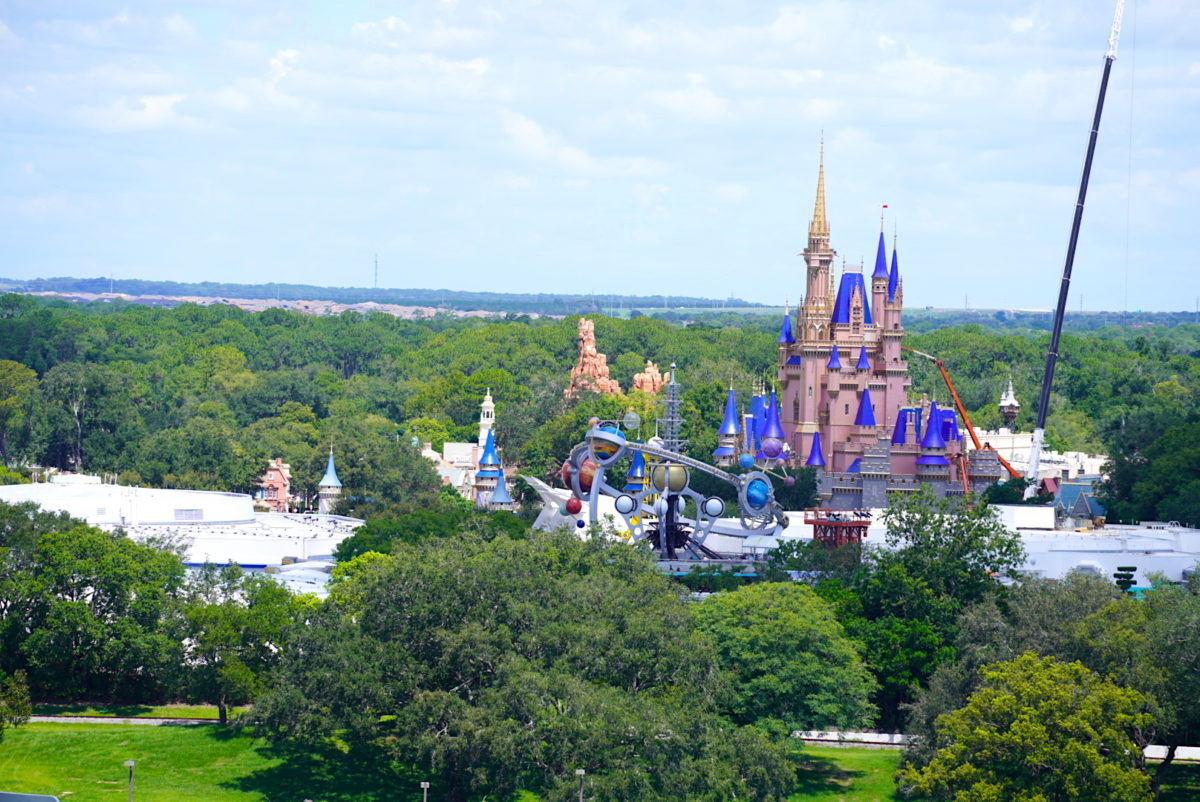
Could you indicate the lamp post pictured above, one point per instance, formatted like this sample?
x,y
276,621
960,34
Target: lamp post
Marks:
x,y
424,792
579,773
129,792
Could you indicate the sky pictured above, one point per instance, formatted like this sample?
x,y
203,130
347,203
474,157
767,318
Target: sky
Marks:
x,y
602,147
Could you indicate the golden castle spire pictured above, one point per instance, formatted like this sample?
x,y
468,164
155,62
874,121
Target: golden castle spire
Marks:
x,y
820,224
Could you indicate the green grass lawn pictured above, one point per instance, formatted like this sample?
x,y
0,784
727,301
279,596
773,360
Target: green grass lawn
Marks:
x,y
83,763
846,774
134,711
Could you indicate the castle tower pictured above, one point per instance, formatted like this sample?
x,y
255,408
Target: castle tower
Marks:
x,y
727,435
488,476
487,417
1009,406
847,345
329,488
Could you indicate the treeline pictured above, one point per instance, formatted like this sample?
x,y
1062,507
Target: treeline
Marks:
x,y
202,397
514,302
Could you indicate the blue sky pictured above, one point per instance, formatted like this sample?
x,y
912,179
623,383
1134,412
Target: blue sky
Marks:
x,y
641,147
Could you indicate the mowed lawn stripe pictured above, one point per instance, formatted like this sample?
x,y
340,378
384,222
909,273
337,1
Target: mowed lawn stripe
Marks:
x,y
86,760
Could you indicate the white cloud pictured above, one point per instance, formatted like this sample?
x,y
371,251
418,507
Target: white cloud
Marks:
x,y
650,194
1021,24
732,193
7,37
247,94
149,112
381,28
696,101
179,25
886,42
534,142
1194,68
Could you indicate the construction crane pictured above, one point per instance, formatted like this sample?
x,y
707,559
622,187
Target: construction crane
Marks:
x,y
962,414
1039,431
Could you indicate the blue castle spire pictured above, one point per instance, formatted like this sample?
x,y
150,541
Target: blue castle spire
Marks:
x,y
933,430
489,463
771,427
330,479
850,283
729,426
863,364
881,265
785,330
815,457
866,412
894,276
900,432
500,495
834,363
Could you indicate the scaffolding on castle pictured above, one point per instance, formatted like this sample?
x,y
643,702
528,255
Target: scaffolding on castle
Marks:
x,y
835,528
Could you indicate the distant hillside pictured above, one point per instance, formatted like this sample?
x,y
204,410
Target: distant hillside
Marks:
x,y
542,303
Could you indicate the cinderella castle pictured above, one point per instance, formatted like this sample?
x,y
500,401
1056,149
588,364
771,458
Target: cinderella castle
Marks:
x,y
843,404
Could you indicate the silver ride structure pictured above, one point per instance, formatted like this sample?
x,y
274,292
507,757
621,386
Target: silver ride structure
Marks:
x,y
658,510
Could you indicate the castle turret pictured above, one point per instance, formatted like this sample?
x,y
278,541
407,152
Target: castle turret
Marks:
x,y
1010,407
816,458
488,474
932,464
727,435
879,278
786,337
487,417
863,362
329,488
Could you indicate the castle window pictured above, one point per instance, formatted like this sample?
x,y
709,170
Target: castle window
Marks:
x,y
810,391
847,409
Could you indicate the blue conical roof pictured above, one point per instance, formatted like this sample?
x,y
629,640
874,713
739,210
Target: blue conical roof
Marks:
x,y
950,426
900,432
489,463
841,304
635,477
881,265
815,457
866,412
500,494
785,330
933,431
637,466
772,427
729,425
330,478
893,277
856,466
834,363
863,364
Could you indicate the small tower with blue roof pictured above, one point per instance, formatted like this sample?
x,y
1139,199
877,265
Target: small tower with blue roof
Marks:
x,y
329,488
727,435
